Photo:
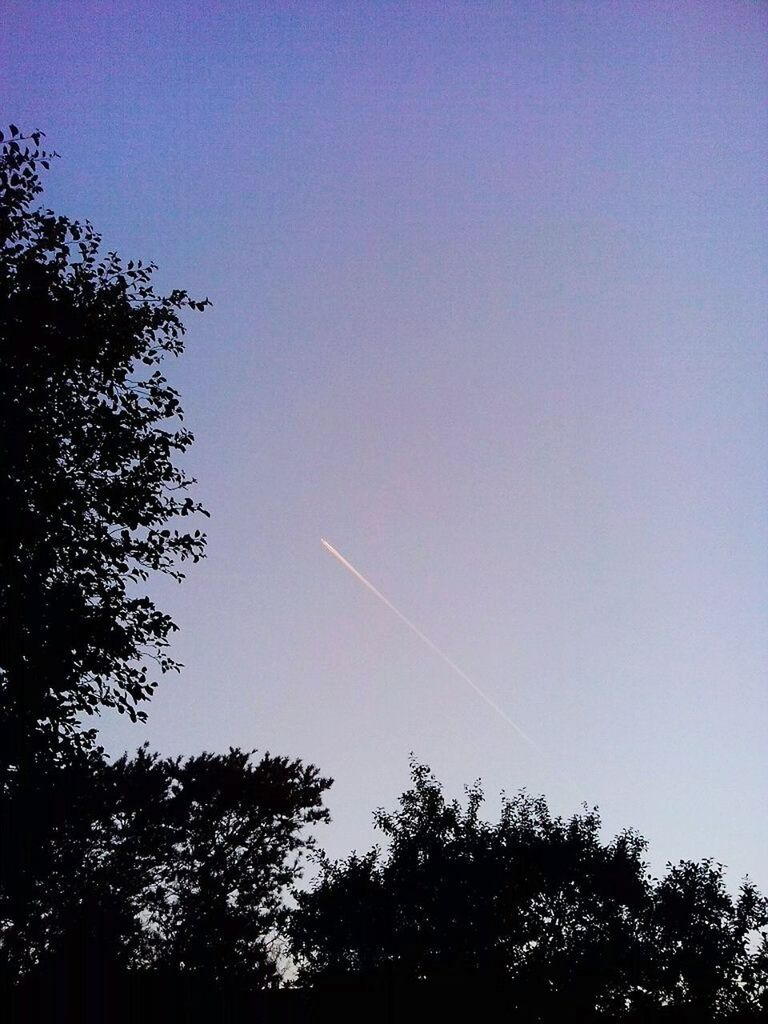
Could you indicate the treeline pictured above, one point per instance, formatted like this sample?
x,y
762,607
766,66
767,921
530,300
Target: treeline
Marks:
x,y
168,888
176,875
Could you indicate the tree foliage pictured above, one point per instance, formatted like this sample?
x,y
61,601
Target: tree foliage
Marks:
x,y
570,927
176,865
90,490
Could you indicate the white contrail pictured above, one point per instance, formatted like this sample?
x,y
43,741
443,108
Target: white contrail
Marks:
x,y
441,654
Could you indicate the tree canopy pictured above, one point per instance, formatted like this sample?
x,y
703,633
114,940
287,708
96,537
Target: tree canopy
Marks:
x,y
177,865
91,492
568,926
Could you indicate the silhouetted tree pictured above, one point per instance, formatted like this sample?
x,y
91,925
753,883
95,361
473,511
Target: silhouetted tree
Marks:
x,y
89,489
711,951
172,865
568,927
90,505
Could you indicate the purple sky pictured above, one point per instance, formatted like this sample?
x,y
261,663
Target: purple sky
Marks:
x,y
490,311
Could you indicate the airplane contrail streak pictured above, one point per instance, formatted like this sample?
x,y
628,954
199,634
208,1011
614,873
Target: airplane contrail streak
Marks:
x,y
441,654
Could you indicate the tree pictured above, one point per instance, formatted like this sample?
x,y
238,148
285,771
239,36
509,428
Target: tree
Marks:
x,y
532,900
219,908
710,949
178,866
535,907
90,490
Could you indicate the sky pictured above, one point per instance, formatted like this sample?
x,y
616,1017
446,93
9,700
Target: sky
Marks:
x,y
489,315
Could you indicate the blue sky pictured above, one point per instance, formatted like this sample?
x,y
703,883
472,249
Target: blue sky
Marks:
x,y
489,287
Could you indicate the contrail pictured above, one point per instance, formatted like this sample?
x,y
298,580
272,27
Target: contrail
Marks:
x,y
441,654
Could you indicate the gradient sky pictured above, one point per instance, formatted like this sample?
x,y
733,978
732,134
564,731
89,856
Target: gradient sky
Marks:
x,y
490,311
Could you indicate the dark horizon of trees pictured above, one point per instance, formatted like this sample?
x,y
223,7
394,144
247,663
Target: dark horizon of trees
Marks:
x,y
559,922
180,875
